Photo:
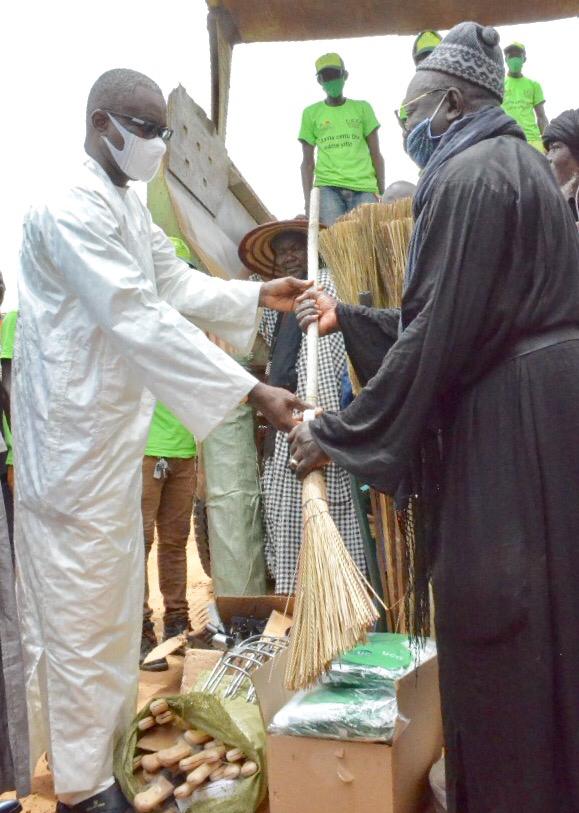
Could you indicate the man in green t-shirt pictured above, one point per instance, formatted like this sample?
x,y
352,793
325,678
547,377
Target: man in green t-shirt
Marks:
x,y
169,478
341,153
169,481
524,100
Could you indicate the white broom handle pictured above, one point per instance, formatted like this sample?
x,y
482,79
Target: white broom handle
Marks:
x,y
313,274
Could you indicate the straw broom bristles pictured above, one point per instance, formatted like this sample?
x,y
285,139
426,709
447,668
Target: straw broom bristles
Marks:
x,y
366,251
333,610
381,234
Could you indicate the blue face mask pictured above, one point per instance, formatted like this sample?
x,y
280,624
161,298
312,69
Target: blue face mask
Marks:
x,y
421,144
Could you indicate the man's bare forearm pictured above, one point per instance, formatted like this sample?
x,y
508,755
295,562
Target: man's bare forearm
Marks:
x,y
378,162
307,182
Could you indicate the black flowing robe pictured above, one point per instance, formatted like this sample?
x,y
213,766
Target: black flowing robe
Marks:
x,y
499,260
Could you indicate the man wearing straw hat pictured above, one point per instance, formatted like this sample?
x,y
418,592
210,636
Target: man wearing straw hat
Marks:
x,y
280,249
470,416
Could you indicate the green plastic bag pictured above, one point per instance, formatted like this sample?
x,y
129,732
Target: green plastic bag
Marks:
x,y
234,722
378,662
339,713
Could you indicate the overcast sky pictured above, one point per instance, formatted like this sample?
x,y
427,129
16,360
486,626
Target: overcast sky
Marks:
x,y
53,50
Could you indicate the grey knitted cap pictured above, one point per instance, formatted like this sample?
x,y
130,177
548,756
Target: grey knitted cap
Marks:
x,y
471,52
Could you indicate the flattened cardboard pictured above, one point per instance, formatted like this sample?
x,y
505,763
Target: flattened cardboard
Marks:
x,y
166,648
197,663
278,625
162,736
269,686
316,775
252,606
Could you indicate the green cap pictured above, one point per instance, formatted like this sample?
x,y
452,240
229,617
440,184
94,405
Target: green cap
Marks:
x,y
518,45
182,250
329,61
425,43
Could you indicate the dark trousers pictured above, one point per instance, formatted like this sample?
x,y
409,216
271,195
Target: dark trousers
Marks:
x,y
167,504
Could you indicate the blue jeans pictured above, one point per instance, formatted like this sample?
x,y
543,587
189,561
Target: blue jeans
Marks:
x,y
335,202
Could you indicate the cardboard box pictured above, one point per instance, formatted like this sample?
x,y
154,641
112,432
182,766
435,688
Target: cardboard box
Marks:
x,y
327,776
201,661
252,606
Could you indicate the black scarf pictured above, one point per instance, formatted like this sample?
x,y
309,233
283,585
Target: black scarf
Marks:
x,y
489,122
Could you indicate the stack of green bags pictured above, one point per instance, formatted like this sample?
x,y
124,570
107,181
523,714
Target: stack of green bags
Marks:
x,y
356,699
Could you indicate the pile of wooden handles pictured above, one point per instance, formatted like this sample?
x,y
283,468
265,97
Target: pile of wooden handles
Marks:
x,y
195,759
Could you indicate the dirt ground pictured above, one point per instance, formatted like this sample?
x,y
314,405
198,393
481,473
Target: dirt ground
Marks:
x,y
42,800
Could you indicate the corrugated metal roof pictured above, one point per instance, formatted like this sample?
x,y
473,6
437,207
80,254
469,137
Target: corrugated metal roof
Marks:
x,y
282,20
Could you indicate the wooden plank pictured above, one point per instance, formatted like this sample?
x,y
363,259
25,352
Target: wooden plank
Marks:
x,y
285,20
384,548
197,155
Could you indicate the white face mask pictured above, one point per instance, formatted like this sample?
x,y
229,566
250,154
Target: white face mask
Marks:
x,y
140,158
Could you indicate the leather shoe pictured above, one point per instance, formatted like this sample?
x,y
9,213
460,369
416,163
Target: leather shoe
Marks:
x,y
148,643
111,800
10,806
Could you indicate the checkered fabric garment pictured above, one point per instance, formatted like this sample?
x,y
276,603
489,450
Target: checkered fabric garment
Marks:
x,y
282,492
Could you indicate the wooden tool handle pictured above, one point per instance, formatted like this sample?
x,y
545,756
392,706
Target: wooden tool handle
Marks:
x,y
199,758
232,771
249,768
313,275
150,763
200,774
158,706
196,737
173,755
149,799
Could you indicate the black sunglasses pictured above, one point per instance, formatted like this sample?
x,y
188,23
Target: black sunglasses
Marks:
x,y
150,129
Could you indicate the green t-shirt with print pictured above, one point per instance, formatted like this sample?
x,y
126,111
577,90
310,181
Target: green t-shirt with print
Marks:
x,y
7,335
339,133
168,437
522,95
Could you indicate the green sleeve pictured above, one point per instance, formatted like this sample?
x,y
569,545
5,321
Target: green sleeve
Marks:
x,y
307,130
369,119
7,335
538,95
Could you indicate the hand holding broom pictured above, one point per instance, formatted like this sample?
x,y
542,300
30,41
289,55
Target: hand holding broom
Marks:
x,y
333,610
317,306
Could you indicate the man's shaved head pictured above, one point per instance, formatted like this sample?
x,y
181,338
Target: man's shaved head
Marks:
x,y
398,190
121,98
113,88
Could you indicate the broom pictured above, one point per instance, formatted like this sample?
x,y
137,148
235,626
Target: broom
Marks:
x,y
333,609
366,251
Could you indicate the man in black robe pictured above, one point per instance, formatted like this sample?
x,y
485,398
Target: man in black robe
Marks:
x,y
484,359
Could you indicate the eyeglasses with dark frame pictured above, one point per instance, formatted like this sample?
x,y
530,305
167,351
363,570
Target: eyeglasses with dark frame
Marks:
x,y
150,129
402,112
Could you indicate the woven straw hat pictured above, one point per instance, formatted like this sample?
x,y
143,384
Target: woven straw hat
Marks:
x,y
255,250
